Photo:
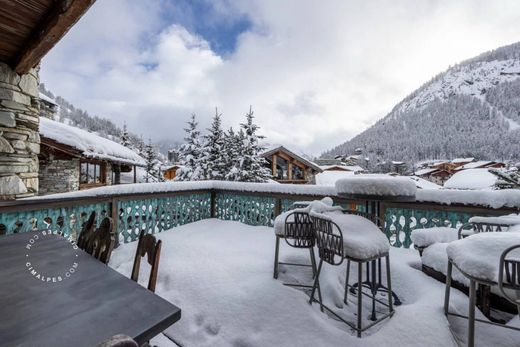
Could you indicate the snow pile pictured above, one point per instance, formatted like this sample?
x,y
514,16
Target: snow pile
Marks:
x,y
436,258
479,254
362,239
429,236
472,179
488,198
229,298
91,145
377,185
421,183
510,219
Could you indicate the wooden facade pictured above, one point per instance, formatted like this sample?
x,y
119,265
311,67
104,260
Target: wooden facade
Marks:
x,y
288,167
170,173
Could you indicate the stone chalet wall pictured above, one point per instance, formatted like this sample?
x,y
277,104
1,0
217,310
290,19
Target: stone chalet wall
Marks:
x,y
59,176
19,137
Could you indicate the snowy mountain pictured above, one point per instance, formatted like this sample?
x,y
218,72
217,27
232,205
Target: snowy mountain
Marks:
x,y
470,110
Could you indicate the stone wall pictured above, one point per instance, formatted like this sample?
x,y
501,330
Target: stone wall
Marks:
x,y
59,176
19,137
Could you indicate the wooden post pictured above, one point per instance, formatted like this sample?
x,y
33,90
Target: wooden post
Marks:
x,y
114,208
273,167
289,170
277,207
213,212
135,174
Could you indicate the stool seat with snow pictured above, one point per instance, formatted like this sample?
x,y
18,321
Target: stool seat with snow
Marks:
x,y
352,237
491,259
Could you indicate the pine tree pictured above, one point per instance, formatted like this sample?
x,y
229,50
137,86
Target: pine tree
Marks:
x,y
233,143
253,167
213,158
125,137
190,154
152,163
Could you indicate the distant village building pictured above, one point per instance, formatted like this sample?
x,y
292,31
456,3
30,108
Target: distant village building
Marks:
x,y
441,171
289,167
170,172
71,159
48,107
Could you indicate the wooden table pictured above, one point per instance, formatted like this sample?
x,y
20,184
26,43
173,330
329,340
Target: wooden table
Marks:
x,y
91,303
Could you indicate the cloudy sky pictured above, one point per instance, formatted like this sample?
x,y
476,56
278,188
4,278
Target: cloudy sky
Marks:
x,y
315,72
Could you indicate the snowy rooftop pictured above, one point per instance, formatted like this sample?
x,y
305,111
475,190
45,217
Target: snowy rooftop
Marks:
x,y
475,164
229,298
90,144
47,99
475,179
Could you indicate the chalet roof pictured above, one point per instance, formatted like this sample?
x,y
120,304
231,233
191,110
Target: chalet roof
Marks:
x,y
46,99
476,164
462,160
86,144
354,168
280,148
30,28
426,171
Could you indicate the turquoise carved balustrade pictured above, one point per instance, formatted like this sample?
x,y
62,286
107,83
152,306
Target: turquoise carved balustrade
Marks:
x,y
67,220
159,214
248,209
399,222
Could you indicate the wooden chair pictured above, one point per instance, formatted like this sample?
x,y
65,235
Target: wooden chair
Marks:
x,y
87,230
101,243
150,247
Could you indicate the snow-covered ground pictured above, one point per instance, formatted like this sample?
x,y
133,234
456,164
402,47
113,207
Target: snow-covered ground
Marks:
x,y
220,274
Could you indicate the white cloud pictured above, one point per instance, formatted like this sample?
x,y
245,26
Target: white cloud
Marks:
x,y
316,73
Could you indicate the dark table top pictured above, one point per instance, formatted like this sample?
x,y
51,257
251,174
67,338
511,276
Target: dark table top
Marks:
x,y
91,303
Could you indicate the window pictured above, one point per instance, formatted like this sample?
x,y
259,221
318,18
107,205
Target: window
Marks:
x,y
92,173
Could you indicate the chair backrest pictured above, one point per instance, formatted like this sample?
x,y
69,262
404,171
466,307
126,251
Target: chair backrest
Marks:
x,y
101,243
371,217
329,239
509,275
150,247
475,228
118,341
87,230
299,231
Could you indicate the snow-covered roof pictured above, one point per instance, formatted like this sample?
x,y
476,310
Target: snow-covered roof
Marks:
x,y
276,148
423,172
89,144
354,168
462,160
47,99
424,184
474,179
475,164
329,178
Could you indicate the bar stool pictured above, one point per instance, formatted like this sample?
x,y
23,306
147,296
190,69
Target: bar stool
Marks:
x,y
491,259
357,239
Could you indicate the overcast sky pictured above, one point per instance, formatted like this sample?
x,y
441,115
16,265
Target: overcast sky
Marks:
x,y
316,72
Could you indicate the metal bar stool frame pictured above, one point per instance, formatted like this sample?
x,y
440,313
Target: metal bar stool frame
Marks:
x,y
330,249
511,280
298,233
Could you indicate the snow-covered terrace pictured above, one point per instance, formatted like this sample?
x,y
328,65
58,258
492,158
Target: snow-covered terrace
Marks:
x,y
220,274
217,260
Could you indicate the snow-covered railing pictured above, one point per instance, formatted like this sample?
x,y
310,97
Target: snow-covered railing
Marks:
x,y
155,207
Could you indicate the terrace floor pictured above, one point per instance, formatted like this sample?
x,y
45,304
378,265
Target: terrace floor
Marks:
x,y
220,274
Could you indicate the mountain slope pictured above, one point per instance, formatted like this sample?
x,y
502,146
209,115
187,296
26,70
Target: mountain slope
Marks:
x,y
472,109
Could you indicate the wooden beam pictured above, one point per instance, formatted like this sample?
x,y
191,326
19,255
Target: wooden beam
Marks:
x,y
60,18
273,167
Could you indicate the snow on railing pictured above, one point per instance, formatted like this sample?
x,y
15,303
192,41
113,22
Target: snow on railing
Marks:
x,y
155,207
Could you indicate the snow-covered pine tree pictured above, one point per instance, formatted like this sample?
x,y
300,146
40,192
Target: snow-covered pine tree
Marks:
x,y
153,172
214,161
190,154
125,137
253,167
233,143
